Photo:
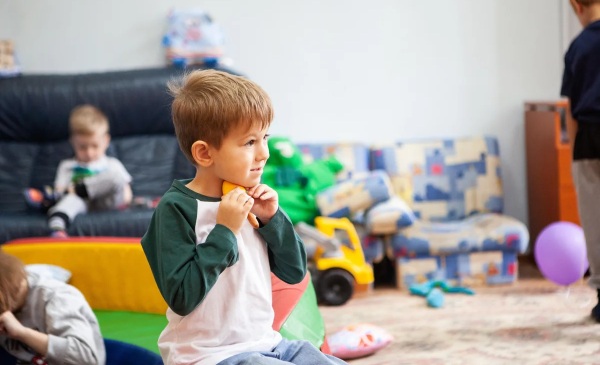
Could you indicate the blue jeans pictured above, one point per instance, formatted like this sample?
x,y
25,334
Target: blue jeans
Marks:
x,y
286,352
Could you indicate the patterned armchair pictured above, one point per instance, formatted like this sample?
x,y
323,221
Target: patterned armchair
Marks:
x,y
436,211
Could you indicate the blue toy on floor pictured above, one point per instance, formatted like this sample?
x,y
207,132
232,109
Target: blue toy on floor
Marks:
x,y
434,290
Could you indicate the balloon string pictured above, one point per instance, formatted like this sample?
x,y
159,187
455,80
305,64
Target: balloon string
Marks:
x,y
570,298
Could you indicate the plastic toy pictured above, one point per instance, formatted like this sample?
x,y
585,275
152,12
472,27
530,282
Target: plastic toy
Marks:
x,y
433,291
297,315
9,66
297,182
80,173
337,263
41,200
560,253
227,187
193,38
358,340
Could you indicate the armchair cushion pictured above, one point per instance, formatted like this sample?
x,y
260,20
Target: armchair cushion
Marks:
x,y
389,216
481,232
353,195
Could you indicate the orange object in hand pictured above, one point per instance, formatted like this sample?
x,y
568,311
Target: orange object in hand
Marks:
x,y
227,187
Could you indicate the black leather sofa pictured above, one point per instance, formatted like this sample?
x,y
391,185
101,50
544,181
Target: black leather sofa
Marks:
x,y
34,111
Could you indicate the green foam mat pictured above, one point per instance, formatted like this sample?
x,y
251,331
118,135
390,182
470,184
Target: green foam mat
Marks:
x,y
141,329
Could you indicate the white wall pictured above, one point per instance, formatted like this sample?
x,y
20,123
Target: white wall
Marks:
x,y
339,69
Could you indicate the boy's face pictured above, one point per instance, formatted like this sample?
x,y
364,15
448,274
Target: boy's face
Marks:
x,y
89,148
242,156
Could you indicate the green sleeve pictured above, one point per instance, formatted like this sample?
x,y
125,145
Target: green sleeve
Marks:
x,y
287,255
184,271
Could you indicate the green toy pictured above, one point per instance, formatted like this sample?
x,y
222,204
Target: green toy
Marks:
x,y
296,182
80,173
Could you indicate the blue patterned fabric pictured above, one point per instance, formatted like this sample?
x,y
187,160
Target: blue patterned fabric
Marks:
x,y
354,156
443,218
389,217
373,246
445,180
482,232
467,269
353,195
481,249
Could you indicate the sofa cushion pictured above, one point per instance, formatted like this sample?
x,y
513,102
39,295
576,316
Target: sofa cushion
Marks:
x,y
153,161
131,222
22,224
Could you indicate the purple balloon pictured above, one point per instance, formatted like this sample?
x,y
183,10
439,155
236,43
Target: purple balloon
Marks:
x,y
560,253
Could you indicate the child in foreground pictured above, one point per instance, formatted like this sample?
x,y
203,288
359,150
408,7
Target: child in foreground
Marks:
x,y
45,321
211,266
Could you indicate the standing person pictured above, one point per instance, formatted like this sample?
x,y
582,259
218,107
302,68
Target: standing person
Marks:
x,y
581,84
45,321
211,266
91,181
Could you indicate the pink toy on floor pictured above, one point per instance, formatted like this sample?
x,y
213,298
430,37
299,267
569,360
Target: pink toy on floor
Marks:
x,y
358,340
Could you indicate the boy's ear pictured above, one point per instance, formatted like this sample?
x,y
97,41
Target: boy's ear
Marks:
x,y
201,153
577,7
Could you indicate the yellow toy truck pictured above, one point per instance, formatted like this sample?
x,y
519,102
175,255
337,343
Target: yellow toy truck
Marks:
x,y
336,259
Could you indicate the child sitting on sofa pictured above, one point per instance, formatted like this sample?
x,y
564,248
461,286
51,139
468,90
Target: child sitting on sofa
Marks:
x,y
91,181
45,321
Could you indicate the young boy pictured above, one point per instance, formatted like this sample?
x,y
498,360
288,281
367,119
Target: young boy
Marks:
x,y
211,266
45,321
90,181
581,84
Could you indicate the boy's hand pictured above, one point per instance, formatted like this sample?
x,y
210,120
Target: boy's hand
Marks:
x,y
10,326
266,202
234,209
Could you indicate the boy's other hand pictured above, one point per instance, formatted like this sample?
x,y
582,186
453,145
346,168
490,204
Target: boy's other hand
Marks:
x,y
234,209
266,202
10,326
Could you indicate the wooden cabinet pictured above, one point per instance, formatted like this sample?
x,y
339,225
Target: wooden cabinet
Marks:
x,y
550,190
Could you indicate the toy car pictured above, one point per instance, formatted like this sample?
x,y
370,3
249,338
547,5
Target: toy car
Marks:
x,y
337,262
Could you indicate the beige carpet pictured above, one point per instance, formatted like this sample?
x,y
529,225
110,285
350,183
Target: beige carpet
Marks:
x,y
530,322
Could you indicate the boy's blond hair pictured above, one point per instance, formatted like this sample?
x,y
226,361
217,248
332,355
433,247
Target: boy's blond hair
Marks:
x,y
12,273
208,104
87,120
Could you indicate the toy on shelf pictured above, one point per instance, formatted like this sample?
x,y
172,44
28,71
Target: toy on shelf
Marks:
x,y
8,61
193,38
433,291
337,265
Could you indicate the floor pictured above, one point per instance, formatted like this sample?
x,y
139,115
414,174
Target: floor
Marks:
x,y
529,314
